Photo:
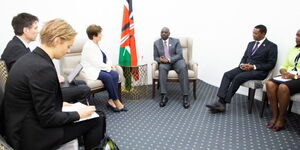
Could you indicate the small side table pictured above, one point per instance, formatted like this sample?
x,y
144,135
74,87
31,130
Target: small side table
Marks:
x,y
135,85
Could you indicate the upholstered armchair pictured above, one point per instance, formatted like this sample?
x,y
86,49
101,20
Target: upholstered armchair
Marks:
x,y
187,51
72,58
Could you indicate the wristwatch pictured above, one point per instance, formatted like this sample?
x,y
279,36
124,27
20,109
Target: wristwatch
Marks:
x,y
295,77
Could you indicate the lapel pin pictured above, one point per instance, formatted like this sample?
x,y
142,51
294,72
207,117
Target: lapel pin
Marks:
x,y
264,45
170,45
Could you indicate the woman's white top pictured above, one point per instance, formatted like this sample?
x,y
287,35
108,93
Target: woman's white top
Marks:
x,y
92,60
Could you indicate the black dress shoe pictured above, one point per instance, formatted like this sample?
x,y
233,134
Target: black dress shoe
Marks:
x,y
163,101
114,109
217,107
124,109
186,102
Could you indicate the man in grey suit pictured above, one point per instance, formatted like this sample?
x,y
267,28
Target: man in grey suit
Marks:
x,y
168,54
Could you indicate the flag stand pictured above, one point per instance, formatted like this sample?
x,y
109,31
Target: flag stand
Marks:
x,y
135,87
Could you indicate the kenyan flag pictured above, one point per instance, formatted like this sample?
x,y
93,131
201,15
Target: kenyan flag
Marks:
x,y
127,55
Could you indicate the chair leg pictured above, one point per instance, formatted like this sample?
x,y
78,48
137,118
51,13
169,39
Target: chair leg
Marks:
x,y
120,90
251,99
290,107
264,101
153,88
194,88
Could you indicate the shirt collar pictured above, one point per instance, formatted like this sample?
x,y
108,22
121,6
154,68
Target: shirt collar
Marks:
x,y
167,40
261,41
23,41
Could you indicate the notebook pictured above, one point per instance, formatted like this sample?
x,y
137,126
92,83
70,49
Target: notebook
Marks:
x,y
77,106
279,79
70,78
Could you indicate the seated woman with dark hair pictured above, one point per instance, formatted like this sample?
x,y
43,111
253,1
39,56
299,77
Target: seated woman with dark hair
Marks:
x,y
33,100
279,93
97,66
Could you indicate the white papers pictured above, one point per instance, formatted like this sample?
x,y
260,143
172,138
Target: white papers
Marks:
x,y
280,79
77,106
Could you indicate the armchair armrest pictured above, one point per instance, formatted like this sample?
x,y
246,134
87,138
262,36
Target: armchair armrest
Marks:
x,y
270,75
121,74
82,75
154,68
193,66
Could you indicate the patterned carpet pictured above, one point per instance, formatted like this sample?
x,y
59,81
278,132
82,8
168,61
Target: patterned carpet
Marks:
x,y
146,126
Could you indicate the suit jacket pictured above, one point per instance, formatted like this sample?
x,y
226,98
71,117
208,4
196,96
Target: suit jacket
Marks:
x,y
175,50
13,51
33,103
92,60
264,58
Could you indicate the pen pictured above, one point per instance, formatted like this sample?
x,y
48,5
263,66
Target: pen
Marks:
x,y
87,101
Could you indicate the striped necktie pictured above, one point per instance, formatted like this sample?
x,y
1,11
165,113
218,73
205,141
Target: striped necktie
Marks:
x,y
255,48
166,50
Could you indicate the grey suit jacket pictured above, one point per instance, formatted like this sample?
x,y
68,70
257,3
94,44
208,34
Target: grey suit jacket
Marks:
x,y
175,50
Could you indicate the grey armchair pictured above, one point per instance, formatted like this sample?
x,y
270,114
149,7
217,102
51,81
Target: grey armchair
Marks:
x,y
187,47
253,85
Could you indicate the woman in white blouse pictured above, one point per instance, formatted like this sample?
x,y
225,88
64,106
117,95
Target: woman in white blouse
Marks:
x,y
97,66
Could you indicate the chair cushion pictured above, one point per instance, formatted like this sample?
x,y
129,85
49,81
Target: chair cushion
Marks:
x,y
72,145
173,75
296,97
94,84
253,84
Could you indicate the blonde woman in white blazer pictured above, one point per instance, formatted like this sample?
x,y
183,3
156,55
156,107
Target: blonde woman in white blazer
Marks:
x,y
97,66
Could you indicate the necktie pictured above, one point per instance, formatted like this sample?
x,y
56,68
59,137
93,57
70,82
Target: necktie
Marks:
x,y
255,48
104,56
28,49
166,50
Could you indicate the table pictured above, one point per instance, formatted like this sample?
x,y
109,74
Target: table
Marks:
x,y
135,86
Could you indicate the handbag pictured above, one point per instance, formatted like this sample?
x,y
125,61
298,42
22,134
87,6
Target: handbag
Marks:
x,y
107,144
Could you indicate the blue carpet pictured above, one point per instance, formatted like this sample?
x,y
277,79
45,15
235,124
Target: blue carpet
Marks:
x,y
146,126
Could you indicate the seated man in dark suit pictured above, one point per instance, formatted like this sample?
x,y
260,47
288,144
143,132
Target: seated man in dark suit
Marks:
x,y
168,54
26,29
259,58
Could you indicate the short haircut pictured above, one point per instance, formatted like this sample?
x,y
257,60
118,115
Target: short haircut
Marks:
x,y
21,21
56,28
93,30
262,28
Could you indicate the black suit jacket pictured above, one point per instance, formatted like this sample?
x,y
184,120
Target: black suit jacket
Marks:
x,y
264,58
33,103
13,51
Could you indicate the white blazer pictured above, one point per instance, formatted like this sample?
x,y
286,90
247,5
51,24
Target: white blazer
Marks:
x,y
92,60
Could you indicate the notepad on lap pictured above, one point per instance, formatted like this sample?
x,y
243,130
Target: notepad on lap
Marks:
x,y
77,106
279,79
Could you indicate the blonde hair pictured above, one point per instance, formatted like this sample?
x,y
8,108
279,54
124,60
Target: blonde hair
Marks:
x,y
56,28
93,30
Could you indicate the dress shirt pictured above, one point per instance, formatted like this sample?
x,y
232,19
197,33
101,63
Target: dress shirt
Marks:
x,y
289,61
